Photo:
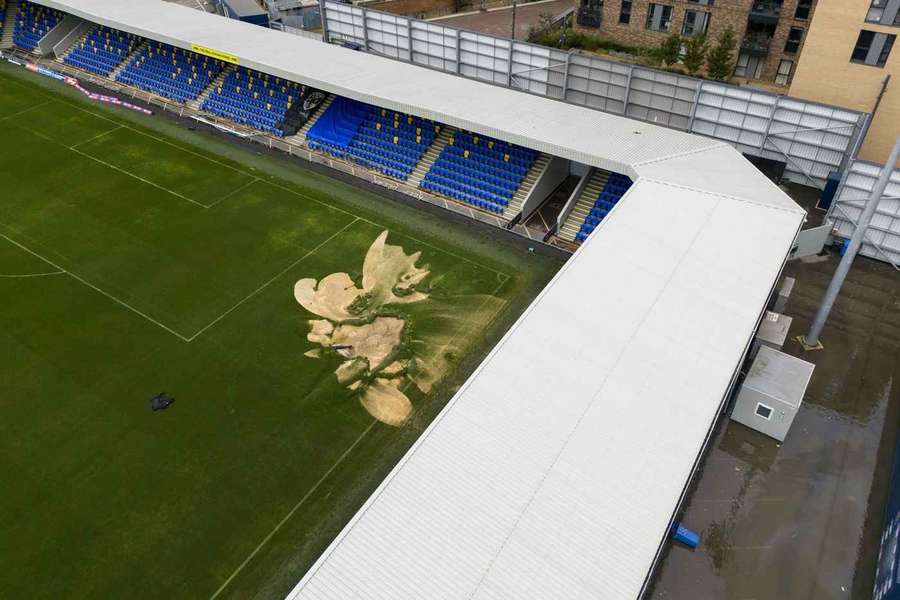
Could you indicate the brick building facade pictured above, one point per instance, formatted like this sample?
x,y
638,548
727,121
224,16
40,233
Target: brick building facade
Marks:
x,y
770,33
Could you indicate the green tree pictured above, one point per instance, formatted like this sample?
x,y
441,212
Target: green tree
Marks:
x,y
720,60
668,51
695,49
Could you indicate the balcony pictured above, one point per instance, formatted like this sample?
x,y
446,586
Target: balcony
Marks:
x,y
589,16
756,44
765,11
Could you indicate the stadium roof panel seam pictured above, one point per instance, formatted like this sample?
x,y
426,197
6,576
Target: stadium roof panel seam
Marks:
x,y
556,469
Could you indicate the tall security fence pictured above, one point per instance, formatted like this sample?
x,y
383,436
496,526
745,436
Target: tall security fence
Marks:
x,y
811,139
882,240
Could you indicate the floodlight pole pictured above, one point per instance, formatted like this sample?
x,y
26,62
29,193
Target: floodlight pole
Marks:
x,y
513,36
811,340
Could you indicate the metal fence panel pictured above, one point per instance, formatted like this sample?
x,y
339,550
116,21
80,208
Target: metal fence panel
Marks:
x,y
484,57
388,35
434,46
663,98
811,139
346,23
597,83
882,239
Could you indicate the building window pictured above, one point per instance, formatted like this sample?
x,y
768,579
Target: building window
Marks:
x,y
795,36
885,12
625,13
764,411
701,2
695,22
803,9
872,48
784,72
659,17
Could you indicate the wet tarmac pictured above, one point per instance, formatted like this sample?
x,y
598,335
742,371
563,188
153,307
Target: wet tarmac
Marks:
x,y
801,520
498,21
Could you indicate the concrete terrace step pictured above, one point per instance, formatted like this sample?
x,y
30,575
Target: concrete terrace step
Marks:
x,y
114,74
583,205
197,102
515,204
62,57
299,138
9,23
427,161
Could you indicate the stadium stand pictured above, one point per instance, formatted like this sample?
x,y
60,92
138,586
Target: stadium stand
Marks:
x,y
32,23
101,50
384,140
615,187
2,14
480,171
253,98
171,72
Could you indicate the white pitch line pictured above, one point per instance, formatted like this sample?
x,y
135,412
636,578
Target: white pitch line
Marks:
x,y
235,191
94,287
96,137
22,112
279,186
32,275
276,276
290,514
139,178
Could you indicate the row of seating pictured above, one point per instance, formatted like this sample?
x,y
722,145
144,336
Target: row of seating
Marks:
x,y
33,21
481,171
102,50
180,75
2,14
253,98
613,190
387,141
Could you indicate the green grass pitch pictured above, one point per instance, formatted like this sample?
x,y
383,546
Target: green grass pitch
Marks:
x,y
137,257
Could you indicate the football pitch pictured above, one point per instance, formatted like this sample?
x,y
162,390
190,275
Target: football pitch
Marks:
x,y
308,330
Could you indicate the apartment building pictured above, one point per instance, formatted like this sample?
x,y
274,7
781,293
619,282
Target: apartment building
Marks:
x,y
851,59
770,33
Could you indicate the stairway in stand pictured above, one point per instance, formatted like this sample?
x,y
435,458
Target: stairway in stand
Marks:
x,y
114,74
583,205
9,24
61,58
299,138
518,199
430,155
197,102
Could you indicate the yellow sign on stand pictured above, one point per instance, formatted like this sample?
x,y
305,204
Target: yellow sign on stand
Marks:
x,y
213,53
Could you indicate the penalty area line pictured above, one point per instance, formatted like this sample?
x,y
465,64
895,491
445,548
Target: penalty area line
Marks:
x,y
94,287
138,177
293,510
27,275
274,277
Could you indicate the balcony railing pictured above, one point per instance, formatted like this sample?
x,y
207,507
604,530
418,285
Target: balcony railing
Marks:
x,y
589,17
756,44
766,11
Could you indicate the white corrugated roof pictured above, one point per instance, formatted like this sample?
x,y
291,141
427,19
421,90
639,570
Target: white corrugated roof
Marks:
x,y
574,132
555,470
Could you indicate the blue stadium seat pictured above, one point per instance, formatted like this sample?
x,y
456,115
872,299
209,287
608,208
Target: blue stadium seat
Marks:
x,y
102,50
381,139
480,171
33,21
2,14
180,75
253,98
614,188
